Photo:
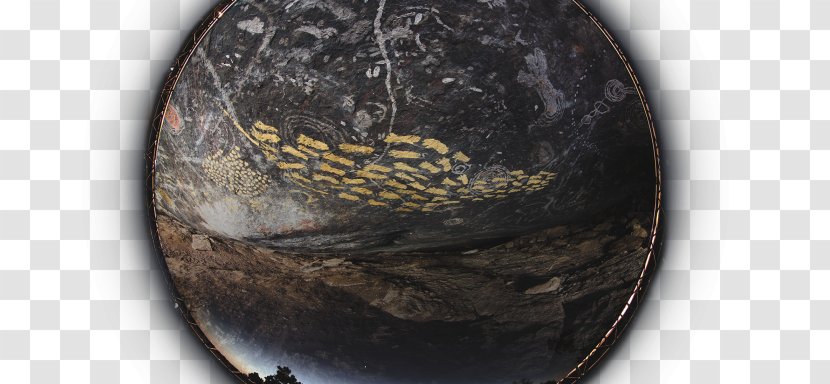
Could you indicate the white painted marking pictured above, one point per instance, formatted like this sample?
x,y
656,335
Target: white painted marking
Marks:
x,y
421,45
291,4
381,41
255,26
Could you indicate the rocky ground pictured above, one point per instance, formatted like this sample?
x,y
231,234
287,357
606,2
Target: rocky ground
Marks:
x,y
529,308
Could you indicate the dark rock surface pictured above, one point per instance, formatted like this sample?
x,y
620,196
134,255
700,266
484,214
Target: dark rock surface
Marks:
x,y
364,126
389,191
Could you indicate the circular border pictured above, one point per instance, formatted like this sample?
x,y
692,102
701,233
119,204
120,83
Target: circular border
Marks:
x,y
608,340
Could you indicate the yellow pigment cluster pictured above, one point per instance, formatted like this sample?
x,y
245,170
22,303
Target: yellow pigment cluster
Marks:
x,y
512,182
233,173
405,181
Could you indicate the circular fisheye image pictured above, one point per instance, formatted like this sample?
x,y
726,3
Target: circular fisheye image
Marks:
x,y
396,192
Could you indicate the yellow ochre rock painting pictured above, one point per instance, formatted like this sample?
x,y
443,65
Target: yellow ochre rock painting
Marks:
x,y
415,175
233,173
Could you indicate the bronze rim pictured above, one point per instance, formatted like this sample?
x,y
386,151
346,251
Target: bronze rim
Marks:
x,y
606,342
655,236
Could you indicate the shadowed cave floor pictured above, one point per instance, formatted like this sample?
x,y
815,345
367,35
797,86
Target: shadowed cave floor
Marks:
x,y
530,308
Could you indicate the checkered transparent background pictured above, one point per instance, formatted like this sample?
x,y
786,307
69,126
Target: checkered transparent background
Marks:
x,y
741,92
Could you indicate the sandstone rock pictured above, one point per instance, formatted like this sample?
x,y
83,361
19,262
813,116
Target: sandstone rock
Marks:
x,y
549,286
201,243
333,262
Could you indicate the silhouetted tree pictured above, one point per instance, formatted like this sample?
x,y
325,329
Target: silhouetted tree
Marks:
x,y
283,376
254,378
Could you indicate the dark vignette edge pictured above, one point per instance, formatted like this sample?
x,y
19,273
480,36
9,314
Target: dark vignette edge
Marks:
x,y
614,334
157,121
609,339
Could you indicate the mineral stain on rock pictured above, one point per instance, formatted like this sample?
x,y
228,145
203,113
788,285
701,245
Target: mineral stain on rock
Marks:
x,y
405,191
254,25
201,243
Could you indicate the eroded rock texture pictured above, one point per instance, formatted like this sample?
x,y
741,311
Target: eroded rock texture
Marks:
x,y
389,191
360,126
529,308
